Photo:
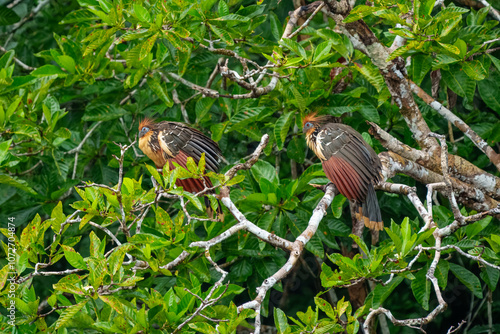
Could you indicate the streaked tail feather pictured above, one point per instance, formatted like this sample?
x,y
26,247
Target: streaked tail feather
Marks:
x,y
369,211
210,211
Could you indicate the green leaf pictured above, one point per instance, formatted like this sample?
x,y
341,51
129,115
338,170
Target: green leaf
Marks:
x,y
103,112
13,107
66,62
134,34
141,13
69,313
184,58
164,222
276,27
468,279
203,327
233,18
195,200
8,16
421,288
18,183
322,51
115,260
408,238
450,48
264,170
450,26
441,273
308,318
449,12
473,229
391,16
360,243
6,59
281,128
494,60
296,149
381,292
325,307
2,121
154,241
475,70
47,70
114,302
241,270
217,130
299,99
490,276
202,107
372,74
147,46
77,16
337,205
244,118
106,5
73,258
4,150
223,8
410,45
235,180
369,112
162,93
222,34
339,104
359,12
4,274
293,46
280,321
420,66
489,88
402,32
442,61
460,83
155,174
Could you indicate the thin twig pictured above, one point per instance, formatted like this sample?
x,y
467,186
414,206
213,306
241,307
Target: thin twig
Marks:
x,y
18,62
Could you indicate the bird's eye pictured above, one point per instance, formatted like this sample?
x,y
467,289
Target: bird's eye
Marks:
x,y
308,125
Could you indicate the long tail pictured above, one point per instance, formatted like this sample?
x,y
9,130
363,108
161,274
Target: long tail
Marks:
x,y
210,212
369,212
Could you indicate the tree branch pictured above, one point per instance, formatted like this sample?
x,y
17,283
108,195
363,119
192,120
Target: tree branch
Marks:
x,y
473,136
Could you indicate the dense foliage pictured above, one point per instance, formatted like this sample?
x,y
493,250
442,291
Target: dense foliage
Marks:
x,y
76,78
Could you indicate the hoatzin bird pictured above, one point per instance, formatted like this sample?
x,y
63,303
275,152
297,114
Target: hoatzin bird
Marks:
x,y
349,162
172,142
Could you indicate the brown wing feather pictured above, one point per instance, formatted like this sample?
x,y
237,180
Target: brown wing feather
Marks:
x,y
350,157
174,137
344,177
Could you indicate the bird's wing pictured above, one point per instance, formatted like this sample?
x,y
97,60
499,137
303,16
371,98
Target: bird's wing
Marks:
x,y
179,141
348,161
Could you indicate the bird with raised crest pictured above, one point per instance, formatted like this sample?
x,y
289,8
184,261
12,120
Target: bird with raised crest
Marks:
x,y
349,162
169,142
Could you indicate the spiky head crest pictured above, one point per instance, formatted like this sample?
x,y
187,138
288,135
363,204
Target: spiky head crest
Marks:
x,y
146,125
319,120
312,118
148,122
